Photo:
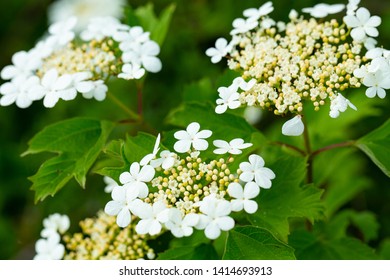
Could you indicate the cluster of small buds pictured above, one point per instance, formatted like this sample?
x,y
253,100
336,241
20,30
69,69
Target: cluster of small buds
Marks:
x,y
49,246
282,65
101,239
181,191
62,65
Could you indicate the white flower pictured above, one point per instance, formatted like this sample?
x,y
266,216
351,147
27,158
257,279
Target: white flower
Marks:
x,y
17,91
152,217
254,170
23,65
52,88
98,91
243,25
82,83
339,104
362,24
377,83
242,84
222,48
293,15
255,14
293,127
129,38
146,159
181,226
100,28
62,30
191,137
110,184
145,55
352,6
57,223
322,10
84,10
166,160
229,98
215,216
131,71
137,178
234,147
123,197
243,197
49,249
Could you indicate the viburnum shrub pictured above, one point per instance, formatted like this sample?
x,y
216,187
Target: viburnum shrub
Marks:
x,y
214,183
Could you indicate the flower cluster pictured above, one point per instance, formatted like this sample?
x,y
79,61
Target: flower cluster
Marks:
x,y
61,65
181,191
49,246
282,65
102,239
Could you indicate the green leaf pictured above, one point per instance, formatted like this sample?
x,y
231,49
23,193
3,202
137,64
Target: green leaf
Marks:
x,y
158,26
336,179
287,198
310,247
78,142
199,252
113,164
376,145
384,249
254,243
136,147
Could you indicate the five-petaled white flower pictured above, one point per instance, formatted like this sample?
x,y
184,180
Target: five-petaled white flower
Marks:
x,y
57,223
62,31
254,170
234,147
17,91
322,10
23,65
243,197
229,98
98,91
362,24
241,25
145,55
52,88
215,216
152,217
146,159
352,6
137,178
166,160
181,226
293,127
242,84
50,248
222,47
134,35
191,137
123,197
339,104
377,83
255,14
131,71
110,184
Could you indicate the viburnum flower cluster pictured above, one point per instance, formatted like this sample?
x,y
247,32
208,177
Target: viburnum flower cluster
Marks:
x,y
49,247
102,239
181,191
283,65
65,63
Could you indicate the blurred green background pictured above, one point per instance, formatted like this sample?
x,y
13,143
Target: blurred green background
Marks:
x,y
195,26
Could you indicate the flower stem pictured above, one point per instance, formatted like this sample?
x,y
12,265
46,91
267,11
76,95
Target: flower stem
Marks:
x,y
306,139
333,146
133,116
140,101
291,147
